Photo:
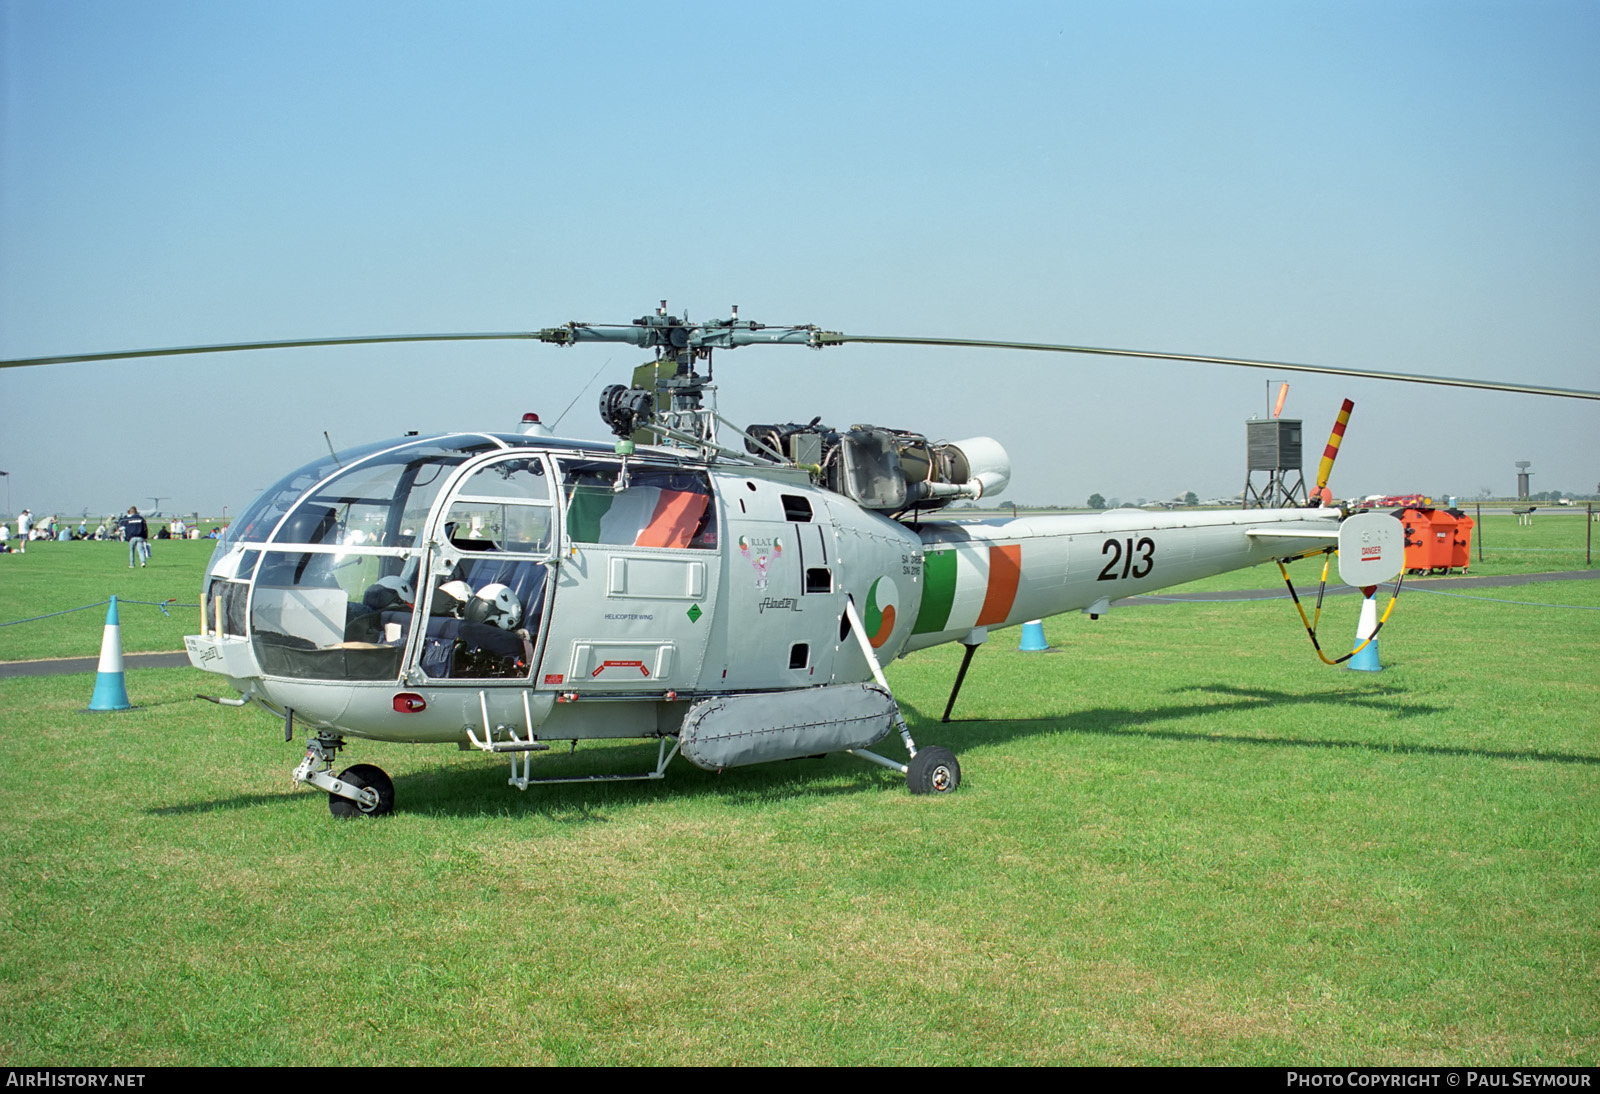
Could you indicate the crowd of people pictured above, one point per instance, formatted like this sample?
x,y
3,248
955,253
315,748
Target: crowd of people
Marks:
x,y
131,528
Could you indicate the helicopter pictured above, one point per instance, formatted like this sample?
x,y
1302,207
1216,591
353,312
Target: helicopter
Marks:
x,y
506,592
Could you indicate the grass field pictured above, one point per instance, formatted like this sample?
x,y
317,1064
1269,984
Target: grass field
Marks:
x,y
1179,839
57,577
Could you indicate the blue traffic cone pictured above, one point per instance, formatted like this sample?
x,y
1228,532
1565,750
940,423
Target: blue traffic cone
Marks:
x,y
110,689
1033,637
1367,659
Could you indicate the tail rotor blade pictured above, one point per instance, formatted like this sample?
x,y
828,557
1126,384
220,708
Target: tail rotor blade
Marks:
x,y
1325,468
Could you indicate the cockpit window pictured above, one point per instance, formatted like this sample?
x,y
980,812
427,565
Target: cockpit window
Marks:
x,y
488,604
334,591
381,502
263,514
518,479
652,507
504,506
390,487
317,615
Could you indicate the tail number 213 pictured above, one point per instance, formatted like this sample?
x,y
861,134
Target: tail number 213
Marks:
x,y
1135,559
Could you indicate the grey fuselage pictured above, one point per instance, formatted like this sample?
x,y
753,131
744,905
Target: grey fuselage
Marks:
x,y
642,585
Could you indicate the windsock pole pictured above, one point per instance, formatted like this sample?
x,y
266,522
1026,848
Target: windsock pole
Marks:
x,y
1367,659
110,688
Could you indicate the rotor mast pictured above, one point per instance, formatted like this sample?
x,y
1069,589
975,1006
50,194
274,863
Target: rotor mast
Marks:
x,y
668,392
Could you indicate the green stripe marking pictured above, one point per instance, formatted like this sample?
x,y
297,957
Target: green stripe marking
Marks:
x,y
585,509
938,592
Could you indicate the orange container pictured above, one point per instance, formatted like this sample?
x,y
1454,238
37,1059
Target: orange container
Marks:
x,y
1437,540
1461,542
1441,540
1419,539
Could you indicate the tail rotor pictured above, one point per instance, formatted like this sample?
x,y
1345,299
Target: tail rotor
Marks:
x,y
1325,468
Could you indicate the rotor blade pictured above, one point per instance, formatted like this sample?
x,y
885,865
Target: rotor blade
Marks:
x,y
301,343
834,338
564,335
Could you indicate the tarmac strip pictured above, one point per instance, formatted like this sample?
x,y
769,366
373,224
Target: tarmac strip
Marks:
x,y
66,665
61,666
1464,581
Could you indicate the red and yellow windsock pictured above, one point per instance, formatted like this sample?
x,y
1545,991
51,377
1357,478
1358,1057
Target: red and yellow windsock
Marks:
x,y
1326,467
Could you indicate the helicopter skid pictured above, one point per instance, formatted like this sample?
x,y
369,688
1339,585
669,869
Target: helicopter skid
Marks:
x,y
526,778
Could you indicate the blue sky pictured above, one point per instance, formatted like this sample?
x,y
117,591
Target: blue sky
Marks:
x,y
1398,186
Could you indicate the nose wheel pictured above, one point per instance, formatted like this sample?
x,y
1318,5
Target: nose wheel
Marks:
x,y
358,778
933,771
359,791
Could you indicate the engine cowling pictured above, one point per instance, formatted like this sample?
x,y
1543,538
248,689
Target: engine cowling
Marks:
x,y
889,470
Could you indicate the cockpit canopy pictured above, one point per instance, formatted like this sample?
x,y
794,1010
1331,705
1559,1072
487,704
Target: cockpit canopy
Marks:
x,y
432,552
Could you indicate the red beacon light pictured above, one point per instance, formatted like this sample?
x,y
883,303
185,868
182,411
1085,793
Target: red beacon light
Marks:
x,y
532,426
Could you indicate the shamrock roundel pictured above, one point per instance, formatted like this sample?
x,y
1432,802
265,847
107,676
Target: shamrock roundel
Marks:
x,y
882,601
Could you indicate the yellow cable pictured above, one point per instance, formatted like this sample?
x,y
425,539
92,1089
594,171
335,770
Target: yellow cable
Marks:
x,y
1311,625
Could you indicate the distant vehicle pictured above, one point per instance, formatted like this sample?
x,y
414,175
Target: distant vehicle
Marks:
x,y
1395,501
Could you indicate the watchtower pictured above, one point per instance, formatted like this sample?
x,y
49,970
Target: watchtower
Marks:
x,y
1273,445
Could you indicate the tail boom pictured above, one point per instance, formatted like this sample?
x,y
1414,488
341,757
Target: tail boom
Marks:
x,y
996,573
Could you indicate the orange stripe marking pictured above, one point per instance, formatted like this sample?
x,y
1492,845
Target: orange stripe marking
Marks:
x,y
1005,573
676,517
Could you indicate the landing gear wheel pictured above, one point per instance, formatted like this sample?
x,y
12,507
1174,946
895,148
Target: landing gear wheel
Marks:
x,y
933,771
363,776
